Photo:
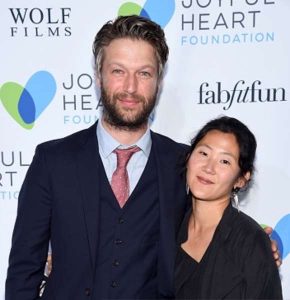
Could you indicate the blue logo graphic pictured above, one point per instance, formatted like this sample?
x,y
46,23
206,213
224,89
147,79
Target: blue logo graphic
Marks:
x,y
159,11
281,234
25,104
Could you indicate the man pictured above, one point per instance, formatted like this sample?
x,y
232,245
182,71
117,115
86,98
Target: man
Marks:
x,y
102,249
107,242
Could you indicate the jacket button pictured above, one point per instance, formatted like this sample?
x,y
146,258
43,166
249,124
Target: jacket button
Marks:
x,y
118,241
114,284
116,263
121,220
87,291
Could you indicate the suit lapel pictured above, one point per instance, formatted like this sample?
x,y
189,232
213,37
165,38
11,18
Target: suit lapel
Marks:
x,y
87,167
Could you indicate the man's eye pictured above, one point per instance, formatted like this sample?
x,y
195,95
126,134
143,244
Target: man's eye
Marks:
x,y
145,74
117,71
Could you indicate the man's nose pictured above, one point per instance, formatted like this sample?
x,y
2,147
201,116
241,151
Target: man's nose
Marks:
x,y
131,83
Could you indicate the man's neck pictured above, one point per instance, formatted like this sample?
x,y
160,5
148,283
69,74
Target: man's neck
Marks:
x,y
124,136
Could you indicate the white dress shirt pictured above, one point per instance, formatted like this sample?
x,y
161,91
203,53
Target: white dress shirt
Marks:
x,y
136,164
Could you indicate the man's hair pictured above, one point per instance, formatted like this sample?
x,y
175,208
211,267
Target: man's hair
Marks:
x,y
133,27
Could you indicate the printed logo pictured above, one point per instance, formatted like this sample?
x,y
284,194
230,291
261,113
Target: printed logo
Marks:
x,y
281,234
13,166
160,11
240,92
40,22
225,22
79,102
25,104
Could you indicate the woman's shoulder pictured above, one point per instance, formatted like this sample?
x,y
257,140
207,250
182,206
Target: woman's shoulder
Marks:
x,y
236,219
248,223
248,233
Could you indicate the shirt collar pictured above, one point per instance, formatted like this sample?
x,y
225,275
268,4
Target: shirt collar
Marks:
x,y
107,144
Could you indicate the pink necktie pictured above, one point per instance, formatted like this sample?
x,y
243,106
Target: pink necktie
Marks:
x,y
120,181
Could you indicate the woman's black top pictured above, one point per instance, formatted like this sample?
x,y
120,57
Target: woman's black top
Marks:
x,y
238,263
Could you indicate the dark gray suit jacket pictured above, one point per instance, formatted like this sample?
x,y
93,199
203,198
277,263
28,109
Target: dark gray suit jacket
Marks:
x,y
59,201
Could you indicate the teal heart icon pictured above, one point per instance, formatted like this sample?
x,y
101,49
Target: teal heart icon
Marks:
x,y
160,11
25,104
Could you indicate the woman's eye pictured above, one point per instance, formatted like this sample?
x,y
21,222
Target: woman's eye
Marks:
x,y
225,162
202,153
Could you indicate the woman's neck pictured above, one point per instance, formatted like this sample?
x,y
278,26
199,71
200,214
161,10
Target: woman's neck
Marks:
x,y
207,214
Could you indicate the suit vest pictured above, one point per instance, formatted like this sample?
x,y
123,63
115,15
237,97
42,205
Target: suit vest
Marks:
x,y
126,264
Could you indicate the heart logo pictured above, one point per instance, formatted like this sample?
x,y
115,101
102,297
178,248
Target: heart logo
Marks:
x,y
281,234
25,104
160,11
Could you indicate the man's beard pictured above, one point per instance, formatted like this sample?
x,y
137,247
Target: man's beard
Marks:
x,y
126,120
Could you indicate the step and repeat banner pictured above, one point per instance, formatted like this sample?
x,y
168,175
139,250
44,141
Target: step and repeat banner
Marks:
x,y
227,57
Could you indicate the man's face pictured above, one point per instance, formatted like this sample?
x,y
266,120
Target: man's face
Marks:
x,y
129,83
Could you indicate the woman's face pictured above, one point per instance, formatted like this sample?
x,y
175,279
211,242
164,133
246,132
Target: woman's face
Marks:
x,y
213,169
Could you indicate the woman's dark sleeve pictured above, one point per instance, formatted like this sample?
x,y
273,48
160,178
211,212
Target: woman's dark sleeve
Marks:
x,y
260,270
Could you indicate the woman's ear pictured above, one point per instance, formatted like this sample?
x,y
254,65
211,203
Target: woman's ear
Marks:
x,y
242,180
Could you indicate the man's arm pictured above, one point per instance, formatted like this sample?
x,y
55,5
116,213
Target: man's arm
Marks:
x,y
274,246
31,233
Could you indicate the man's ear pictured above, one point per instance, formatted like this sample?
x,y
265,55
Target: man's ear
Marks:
x,y
242,180
98,80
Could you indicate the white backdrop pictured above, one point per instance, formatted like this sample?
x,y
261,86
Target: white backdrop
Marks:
x,y
226,57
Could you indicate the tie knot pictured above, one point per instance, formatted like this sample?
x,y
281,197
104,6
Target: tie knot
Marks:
x,y
124,155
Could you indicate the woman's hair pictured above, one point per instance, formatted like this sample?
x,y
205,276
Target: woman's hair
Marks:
x,y
136,28
244,137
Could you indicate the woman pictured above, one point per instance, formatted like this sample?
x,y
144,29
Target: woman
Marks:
x,y
223,253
